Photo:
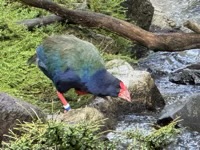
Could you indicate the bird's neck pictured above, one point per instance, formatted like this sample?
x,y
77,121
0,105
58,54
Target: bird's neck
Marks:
x,y
100,83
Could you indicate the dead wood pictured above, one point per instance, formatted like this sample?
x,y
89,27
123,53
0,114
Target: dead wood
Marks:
x,y
41,21
153,41
192,26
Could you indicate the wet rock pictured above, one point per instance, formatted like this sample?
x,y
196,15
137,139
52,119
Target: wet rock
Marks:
x,y
13,110
187,75
178,11
163,63
80,115
166,63
138,51
188,110
161,22
86,114
170,15
144,93
140,12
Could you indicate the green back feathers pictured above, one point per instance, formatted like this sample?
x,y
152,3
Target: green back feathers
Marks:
x,y
68,52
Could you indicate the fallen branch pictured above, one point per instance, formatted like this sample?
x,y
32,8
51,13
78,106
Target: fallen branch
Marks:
x,y
192,26
154,41
31,23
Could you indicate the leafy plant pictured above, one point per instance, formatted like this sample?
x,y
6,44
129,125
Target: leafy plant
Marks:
x,y
109,7
155,140
54,135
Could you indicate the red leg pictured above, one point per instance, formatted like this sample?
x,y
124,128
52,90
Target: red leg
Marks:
x,y
63,101
80,92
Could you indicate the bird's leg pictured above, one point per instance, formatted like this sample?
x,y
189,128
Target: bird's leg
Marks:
x,y
63,101
80,92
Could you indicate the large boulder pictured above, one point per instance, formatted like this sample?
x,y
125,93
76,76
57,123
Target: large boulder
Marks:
x,y
13,110
163,20
161,23
140,12
188,110
144,93
86,114
178,11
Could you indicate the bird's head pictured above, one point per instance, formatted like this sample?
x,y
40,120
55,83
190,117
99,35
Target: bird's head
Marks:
x,y
102,83
123,92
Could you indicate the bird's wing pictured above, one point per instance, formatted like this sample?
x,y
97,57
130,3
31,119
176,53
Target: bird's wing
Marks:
x,y
60,53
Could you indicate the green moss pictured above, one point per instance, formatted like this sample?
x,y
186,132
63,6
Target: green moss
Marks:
x,y
17,45
108,57
109,7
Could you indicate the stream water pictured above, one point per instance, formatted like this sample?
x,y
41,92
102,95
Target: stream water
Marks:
x,y
160,64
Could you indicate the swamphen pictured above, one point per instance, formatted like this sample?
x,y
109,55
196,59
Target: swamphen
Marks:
x,y
73,63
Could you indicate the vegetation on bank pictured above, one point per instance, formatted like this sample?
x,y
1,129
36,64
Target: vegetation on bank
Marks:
x,y
157,139
54,135
57,136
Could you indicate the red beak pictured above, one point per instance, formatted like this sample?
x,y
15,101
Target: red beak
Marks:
x,y
124,93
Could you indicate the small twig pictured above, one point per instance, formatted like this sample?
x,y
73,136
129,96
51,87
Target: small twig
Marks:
x,y
192,26
41,21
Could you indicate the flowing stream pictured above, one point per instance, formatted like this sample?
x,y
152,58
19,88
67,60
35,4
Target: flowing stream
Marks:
x,y
160,64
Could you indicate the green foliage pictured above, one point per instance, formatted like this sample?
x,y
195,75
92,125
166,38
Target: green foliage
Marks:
x,y
17,44
54,135
108,57
109,7
57,136
155,140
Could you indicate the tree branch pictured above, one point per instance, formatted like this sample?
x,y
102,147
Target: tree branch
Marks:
x,y
192,26
31,23
154,41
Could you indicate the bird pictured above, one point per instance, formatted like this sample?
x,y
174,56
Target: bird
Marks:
x,y
70,62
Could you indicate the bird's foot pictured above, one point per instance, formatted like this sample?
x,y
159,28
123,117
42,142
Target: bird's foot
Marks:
x,y
67,108
64,102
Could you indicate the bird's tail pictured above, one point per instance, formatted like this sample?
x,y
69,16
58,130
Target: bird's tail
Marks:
x,y
32,59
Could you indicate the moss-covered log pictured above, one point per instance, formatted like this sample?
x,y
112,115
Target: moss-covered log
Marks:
x,y
154,41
